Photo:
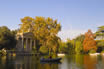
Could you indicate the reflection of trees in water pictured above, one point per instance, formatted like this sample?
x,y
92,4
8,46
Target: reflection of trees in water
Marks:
x,y
29,62
79,61
90,62
74,62
101,62
25,62
85,62
9,64
19,62
48,66
70,62
2,62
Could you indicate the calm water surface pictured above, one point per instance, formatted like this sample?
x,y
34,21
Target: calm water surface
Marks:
x,y
68,62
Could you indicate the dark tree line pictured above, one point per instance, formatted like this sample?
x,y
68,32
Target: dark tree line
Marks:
x,y
7,38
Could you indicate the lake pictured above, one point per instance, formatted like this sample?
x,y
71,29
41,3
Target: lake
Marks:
x,y
68,62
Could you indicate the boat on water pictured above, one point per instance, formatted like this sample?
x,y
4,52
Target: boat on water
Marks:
x,y
50,60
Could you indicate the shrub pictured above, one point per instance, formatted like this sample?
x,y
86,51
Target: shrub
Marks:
x,y
43,50
92,51
3,52
102,51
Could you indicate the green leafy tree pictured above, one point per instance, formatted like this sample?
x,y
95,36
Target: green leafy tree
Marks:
x,y
63,48
80,38
100,38
100,31
100,43
78,47
70,46
7,38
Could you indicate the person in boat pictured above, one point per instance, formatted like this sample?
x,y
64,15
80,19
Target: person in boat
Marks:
x,y
50,57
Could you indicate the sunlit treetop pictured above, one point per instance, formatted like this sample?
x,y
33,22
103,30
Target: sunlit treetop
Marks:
x,y
40,24
42,28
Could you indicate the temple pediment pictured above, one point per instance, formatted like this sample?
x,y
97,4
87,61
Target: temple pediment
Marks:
x,y
28,35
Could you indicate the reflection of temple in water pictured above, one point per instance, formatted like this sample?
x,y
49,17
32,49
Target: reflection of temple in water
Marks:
x,y
26,62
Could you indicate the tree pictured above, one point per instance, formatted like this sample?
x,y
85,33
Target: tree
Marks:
x,y
70,46
63,48
53,43
78,47
43,49
43,28
100,31
7,38
89,42
80,38
100,45
79,43
100,38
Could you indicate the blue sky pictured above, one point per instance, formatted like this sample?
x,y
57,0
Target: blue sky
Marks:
x,y
75,16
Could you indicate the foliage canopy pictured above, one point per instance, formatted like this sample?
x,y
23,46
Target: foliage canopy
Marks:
x,y
44,29
89,42
7,38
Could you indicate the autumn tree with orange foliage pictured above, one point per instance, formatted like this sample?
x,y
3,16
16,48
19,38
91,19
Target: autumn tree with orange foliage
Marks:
x,y
89,43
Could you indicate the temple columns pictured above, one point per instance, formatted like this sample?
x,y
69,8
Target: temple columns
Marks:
x,y
29,43
34,44
26,44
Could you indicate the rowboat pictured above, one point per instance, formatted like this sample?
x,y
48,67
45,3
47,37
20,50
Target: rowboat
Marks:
x,y
50,60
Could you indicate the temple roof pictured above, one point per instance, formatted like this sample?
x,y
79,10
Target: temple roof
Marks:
x,y
25,35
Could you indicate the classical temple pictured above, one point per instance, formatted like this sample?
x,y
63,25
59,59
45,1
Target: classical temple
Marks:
x,y
25,42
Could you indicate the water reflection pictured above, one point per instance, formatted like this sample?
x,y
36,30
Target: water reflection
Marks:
x,y
90,62
48,66
26,62
68,62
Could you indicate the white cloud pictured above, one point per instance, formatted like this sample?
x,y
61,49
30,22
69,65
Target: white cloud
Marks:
x,y
72,33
